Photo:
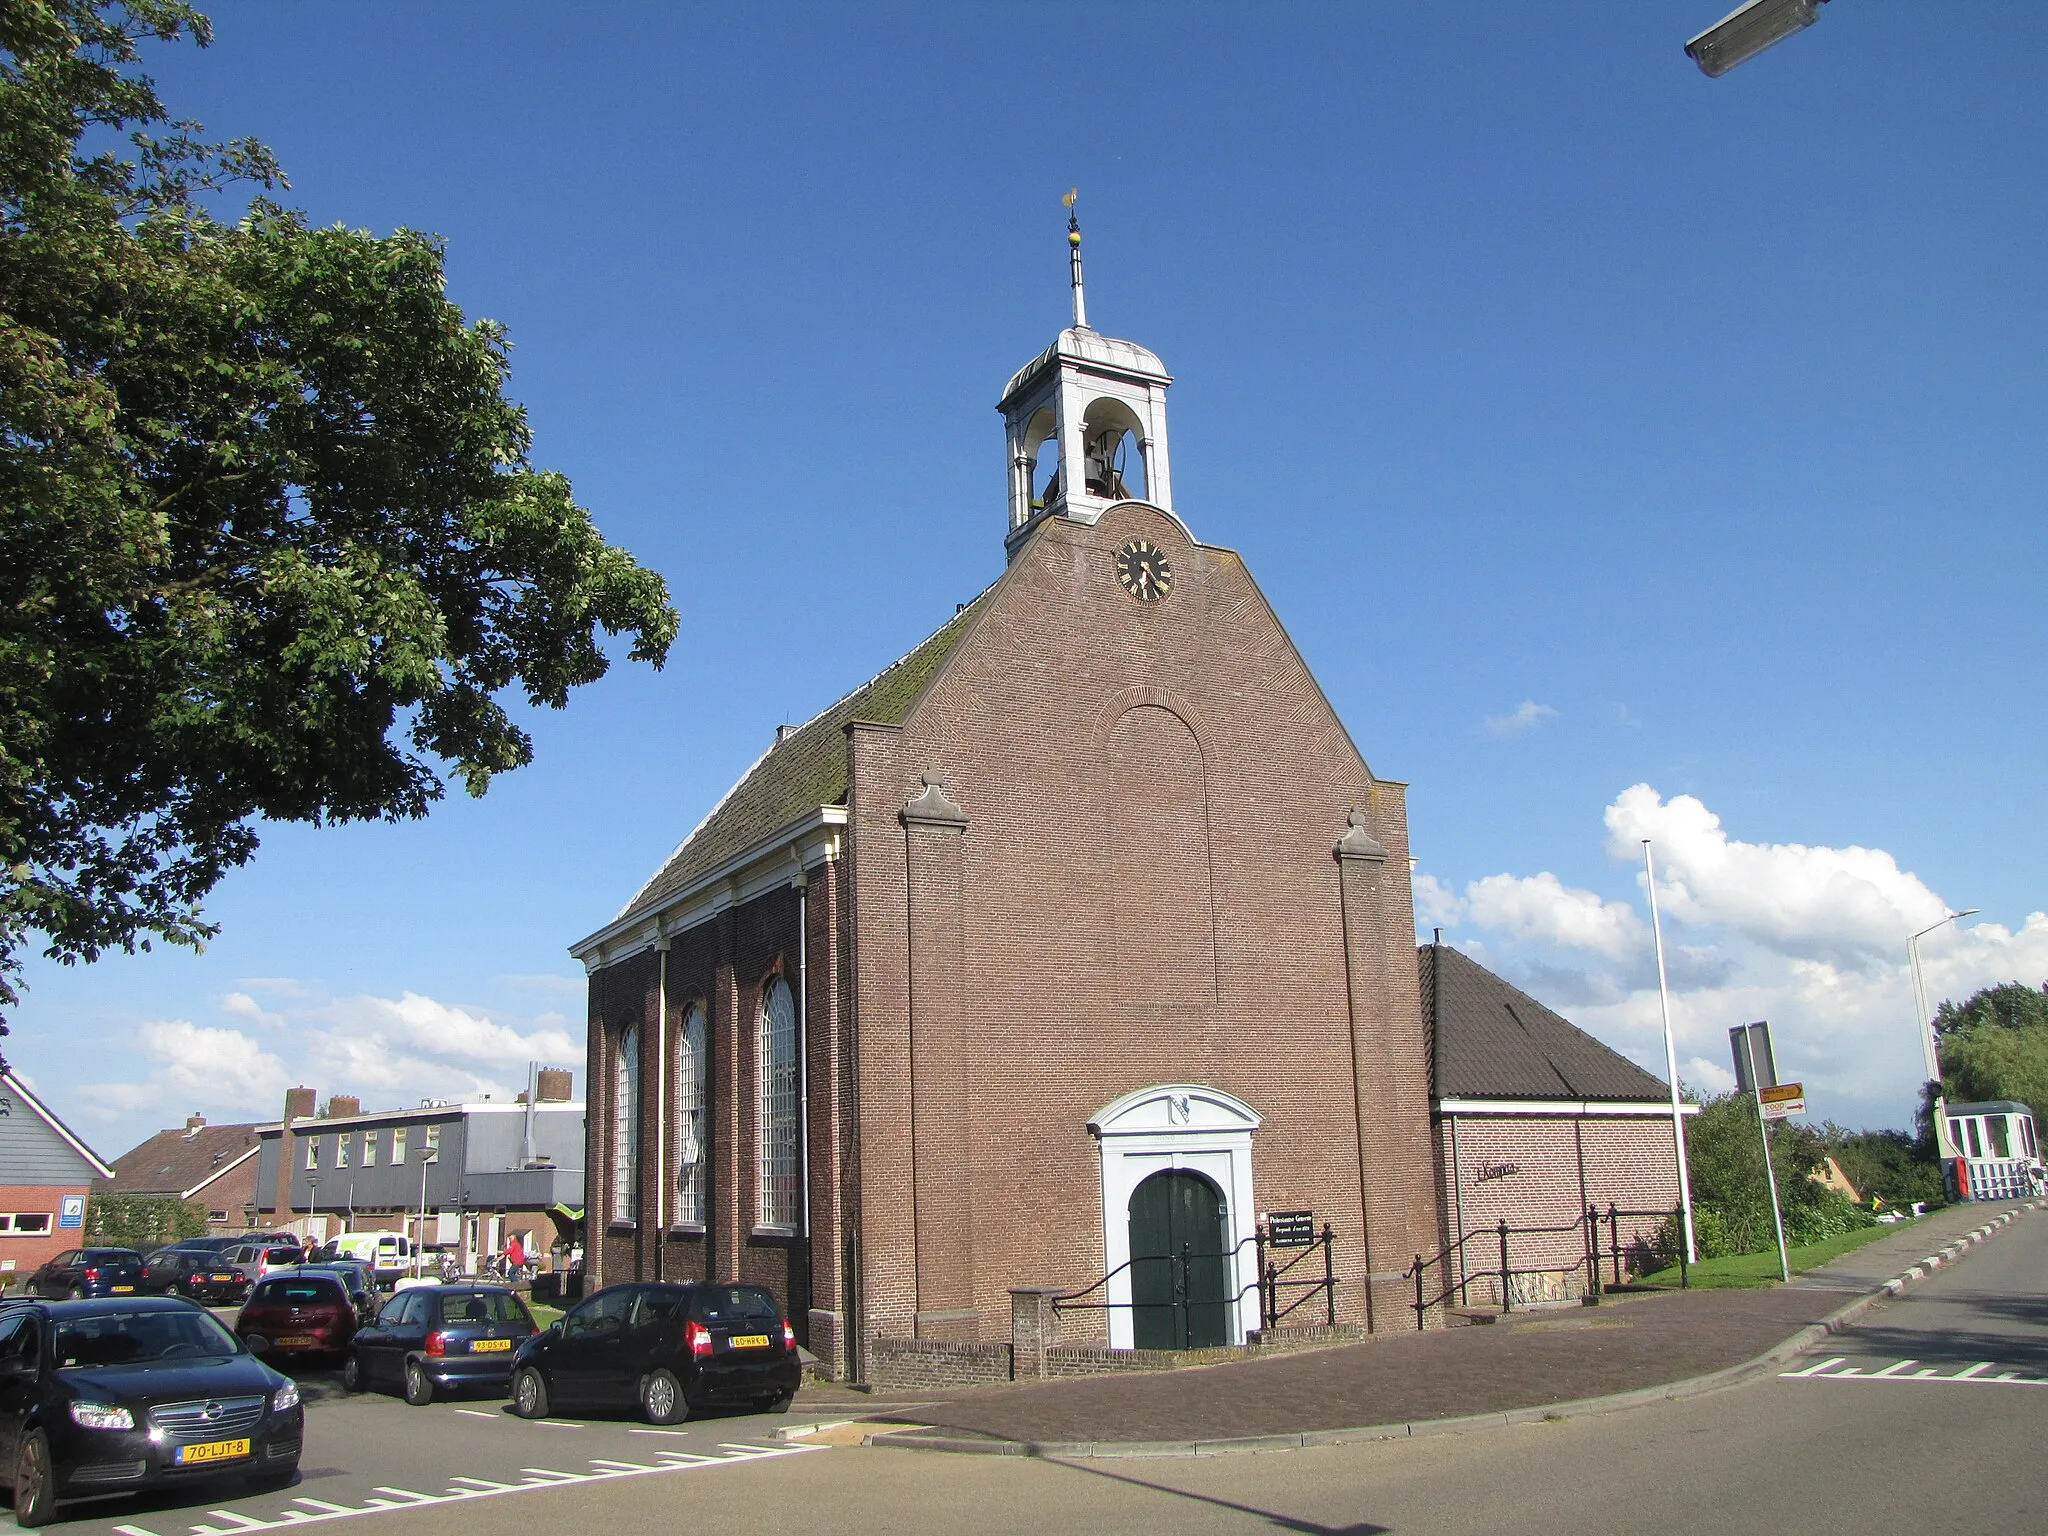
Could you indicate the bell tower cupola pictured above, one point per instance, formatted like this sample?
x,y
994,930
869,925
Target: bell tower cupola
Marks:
x,y
1085,422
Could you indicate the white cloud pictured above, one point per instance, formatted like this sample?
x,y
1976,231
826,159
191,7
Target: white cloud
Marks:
x,y
1810,937
1544,909
1698,1072
388,1051
1524,716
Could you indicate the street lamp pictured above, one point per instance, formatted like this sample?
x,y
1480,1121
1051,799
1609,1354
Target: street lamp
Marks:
x,y
312,1203
1926,1020
428,1156
1748,30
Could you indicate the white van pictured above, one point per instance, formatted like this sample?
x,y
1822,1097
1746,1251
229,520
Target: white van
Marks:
x,y
389,1254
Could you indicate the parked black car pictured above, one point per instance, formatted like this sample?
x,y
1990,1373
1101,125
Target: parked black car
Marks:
x,y
104,1396
440,1336
198,1273
79,1272
673,1349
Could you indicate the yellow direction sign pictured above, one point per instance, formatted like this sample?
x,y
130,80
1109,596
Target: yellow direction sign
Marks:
x,y
1785,1099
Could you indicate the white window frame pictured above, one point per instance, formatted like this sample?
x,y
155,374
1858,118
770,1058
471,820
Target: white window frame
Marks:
x,y
398,1145
626,1129
777,1127
693,1119
313,1154
10,1223
370,1148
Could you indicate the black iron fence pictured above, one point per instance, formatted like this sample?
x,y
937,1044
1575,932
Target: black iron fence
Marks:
x,y
1485,1254
1280,1292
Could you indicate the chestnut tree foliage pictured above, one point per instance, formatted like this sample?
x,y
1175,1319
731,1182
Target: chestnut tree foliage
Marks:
x,y
271,545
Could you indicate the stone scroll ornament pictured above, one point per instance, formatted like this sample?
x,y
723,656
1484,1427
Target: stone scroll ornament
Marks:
x,y
933,808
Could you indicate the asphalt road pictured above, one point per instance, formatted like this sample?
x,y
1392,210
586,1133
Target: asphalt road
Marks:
x,y
1931,1417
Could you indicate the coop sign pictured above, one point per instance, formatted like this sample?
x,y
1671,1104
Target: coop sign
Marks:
x,y
1785,1099
1488,1172
1291,1229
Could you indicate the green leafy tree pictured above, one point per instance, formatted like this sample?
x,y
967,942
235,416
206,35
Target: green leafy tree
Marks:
x,y
141,1222
1731,1199
1892,1166
270,541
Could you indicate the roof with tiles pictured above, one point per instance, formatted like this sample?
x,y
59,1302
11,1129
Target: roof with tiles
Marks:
x,y
802,770
173,1161
1489,1040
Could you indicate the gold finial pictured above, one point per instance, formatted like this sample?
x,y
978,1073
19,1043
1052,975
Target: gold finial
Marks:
x,y
1074,252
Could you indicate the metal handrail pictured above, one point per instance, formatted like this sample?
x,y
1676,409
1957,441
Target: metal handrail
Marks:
x,y
1268,1282
1588,1226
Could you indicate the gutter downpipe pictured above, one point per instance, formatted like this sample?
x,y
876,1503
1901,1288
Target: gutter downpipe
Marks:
x,y
660,1104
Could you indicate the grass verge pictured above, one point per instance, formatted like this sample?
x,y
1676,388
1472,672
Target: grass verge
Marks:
x,y
1747,1270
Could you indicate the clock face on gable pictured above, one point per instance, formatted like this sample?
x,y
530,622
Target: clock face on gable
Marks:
x,y
1143,570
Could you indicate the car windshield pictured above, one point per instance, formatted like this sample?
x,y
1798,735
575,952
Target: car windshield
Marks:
x,y
282,1256
734,1303
135,1337
481,1307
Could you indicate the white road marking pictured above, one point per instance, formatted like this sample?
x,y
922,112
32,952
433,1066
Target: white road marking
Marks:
x,y
678,1433
1815,1370
1981,1365
539,1477
1970,1375
1893,1369
478,1413
552,1424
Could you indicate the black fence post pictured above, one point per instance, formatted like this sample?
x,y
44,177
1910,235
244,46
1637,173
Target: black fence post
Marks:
x,y
1684,1258
1614,1238
1593,1253
1269,1294
1418,1293
1330,1275
1507,1300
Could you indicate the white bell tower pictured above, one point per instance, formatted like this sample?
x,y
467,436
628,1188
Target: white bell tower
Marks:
x,y
1085,423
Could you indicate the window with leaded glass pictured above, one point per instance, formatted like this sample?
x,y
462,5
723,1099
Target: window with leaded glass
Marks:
x,y
693,1079
626,1127
778,1120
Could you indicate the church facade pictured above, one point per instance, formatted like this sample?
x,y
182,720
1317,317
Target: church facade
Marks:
x,y
1081,936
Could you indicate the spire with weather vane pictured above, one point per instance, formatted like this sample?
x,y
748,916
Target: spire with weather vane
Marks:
x,y
1074,255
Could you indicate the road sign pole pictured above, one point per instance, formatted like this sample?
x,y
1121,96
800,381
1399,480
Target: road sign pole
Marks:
x,y
1763,1129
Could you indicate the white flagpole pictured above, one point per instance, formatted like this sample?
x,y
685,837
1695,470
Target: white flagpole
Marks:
x,y
1692,1255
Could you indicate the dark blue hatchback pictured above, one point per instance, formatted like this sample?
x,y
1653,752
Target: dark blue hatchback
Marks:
x,y
440,1338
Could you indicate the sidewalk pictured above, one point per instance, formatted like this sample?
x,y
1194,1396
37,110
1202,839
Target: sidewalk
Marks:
x,y
1529,1360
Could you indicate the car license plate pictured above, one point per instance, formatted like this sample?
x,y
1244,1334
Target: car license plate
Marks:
x,y
212,1450
487,1346
748,1341
122,1290
296,1341
225,1279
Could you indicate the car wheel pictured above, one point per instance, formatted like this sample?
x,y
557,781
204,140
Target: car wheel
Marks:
x,y
778,1403
529,1394
661,1398
76,1293
35,1482
419,1386
272,1479
352,1374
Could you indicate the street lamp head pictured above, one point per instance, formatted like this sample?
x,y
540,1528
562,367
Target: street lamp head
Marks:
x,y
1748,30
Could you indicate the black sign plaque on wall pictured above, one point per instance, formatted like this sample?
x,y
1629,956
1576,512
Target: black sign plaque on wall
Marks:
x,y
1291,1229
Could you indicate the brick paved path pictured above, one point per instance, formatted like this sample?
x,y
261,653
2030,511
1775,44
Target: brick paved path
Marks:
x,y
1550,1356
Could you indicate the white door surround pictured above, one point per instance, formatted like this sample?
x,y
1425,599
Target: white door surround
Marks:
x,y
1177,1125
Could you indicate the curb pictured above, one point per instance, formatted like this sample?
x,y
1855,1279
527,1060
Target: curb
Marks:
x,y
1838,1321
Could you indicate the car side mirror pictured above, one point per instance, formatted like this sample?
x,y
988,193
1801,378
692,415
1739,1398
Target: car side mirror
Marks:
x,y
555,1329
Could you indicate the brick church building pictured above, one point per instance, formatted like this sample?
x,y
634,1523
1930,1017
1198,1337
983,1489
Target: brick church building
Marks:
x,y
1082,934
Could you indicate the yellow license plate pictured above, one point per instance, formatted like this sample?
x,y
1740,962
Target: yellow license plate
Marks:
x,y
748,1341
121,1290
296,1341
212,1450
487,1346
224,1279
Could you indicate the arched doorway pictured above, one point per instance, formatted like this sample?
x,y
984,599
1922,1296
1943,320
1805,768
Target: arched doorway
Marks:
x,y
1180,1273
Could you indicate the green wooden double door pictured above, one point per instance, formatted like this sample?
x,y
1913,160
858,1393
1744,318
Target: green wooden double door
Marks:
x,y
1180,1269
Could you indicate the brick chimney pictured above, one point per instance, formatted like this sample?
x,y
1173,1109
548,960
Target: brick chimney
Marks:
x,y
194,1124
298,1105
557,1085
343,1104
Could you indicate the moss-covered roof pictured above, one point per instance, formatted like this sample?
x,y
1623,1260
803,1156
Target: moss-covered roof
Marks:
x,y
803,770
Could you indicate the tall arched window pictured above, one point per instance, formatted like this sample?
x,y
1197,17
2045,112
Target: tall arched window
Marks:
x,y
778,1121
626,1128
693,1078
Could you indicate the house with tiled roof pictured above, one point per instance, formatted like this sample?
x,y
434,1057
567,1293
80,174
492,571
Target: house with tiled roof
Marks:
x,y
1536,1122
46,1174
209,1165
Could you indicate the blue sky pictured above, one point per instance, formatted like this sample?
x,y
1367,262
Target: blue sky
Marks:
x,y
1591,424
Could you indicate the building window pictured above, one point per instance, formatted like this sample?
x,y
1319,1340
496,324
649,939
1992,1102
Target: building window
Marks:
x,y
693,1079
398,1144
434,1139
626,1128
312,1152
20,1222
341,1144
778,1107
370,1149
217,1218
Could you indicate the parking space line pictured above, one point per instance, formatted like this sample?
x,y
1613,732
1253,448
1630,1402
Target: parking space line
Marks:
x,y
678,1433
550,1424
606,1461
478,1413
539,1477
1981,1365
1814,1370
